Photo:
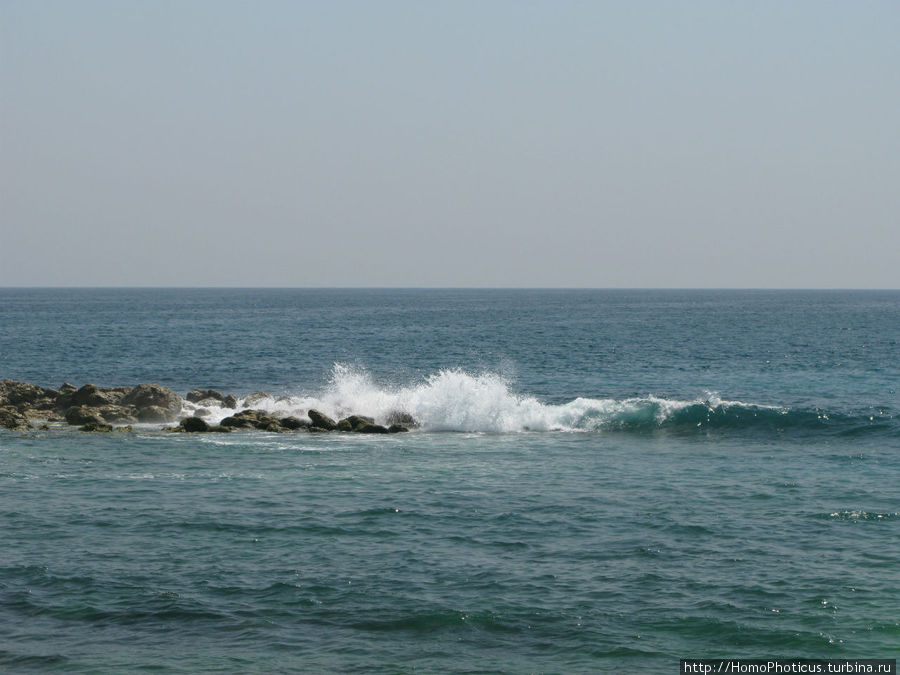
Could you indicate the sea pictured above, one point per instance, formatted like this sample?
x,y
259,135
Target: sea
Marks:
x,y
602,481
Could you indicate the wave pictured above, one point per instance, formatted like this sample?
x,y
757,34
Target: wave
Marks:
x,y
455,400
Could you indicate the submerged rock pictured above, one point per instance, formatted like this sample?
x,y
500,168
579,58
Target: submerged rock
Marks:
x,y
321,421
96,427
371,429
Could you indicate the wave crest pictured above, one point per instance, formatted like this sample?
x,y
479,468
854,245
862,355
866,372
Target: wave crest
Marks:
x,y
455,400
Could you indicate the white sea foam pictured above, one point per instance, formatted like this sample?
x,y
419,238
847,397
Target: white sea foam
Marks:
x,y
455,400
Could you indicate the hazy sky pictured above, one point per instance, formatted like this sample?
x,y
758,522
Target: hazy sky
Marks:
x,y
488,143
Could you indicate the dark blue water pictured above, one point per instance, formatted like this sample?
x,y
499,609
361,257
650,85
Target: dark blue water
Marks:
x,y
705,474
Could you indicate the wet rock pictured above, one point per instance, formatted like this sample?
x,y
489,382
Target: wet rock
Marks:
x,y
194,424
66,388
83,415
96,427
237,422
293,423
154,413
397,429
93,396
117,413
321,421
257,397
11,418
124,428
402,418
149,399
230,401
197,395
371,429
344,425
201,412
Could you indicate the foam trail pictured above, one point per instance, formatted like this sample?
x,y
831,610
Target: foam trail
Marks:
x,y
454,400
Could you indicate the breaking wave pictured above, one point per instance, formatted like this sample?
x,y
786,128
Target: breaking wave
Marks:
x,y
454,400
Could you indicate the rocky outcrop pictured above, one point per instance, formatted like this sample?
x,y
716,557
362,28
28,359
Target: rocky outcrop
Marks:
x,y
10,418
94,408
93,396
154,403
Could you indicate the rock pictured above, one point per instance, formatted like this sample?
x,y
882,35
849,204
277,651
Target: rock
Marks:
x,y
154,413
220,429
201,412
96,427
12,419
230,401
125,428
237,422
66,388
371,429
117,413
13,392
149,399
197,395
293,423
344,425
194,424
273,426
403,419
257,398
92,395
321,421
396,429
83,415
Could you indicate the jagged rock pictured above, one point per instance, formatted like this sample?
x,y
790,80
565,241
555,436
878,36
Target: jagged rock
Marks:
x,y
66,388
197,395
13,392
293,423
371,429
321,421
149,399
401,418
12,419
93,396
230,401
83,415
194,424
397,429
96,427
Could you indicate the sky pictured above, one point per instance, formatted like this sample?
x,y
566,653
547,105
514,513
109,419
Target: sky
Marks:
x,y
684,144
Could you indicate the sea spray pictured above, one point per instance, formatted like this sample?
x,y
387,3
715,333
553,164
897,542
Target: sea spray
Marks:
x,y
456,400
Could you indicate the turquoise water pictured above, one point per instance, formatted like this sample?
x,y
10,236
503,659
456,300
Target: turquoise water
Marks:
x,y
703,474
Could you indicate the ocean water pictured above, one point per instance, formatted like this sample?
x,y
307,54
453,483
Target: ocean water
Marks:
x,y
603,480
